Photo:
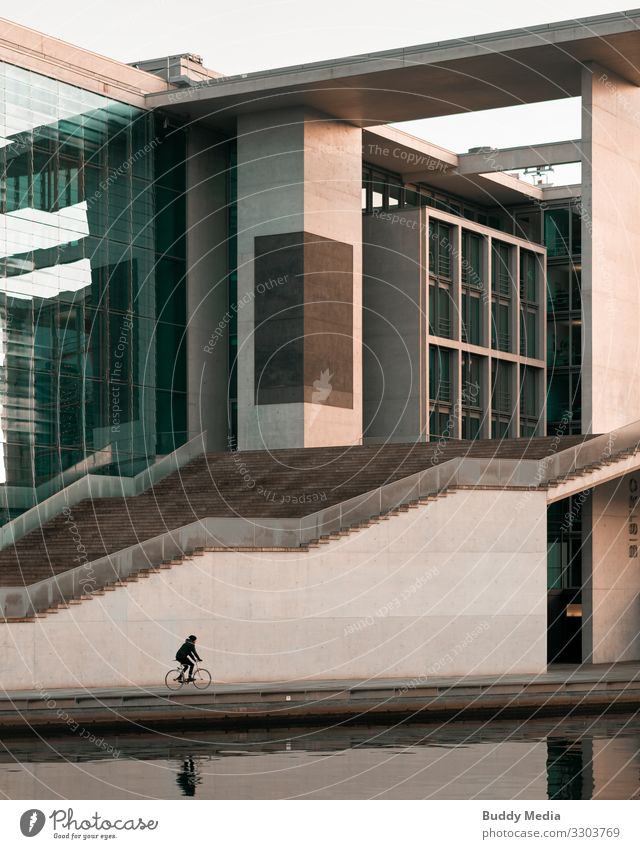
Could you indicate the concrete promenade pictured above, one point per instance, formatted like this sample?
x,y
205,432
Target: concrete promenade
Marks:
x,y
561,690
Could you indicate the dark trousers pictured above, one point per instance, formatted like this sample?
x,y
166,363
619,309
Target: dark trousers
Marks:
x,y
187,665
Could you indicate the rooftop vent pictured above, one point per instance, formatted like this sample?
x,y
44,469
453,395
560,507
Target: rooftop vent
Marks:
x,y
183,69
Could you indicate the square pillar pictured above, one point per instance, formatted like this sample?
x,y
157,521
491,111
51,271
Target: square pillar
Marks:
x,y
610,250
611,572
299,281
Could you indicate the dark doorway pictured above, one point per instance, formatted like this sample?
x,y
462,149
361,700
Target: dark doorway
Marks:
x,y
564,580
564,626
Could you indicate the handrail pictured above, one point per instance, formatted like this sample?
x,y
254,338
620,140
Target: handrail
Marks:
x,y
99,486
597,449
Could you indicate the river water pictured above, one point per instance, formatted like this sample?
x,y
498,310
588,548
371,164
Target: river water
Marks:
x,y
583,758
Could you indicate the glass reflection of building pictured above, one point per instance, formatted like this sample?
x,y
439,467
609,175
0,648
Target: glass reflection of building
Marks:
x,y
92,287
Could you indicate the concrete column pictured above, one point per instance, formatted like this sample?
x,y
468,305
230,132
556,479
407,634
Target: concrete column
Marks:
x,y
207,286
611,595
610,250
299,281
395,355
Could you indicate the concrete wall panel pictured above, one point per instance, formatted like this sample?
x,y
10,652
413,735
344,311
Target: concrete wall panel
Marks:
x,y
611,603
396,599
207,286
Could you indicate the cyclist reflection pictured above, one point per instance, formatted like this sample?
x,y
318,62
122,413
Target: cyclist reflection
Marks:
x,y
188,777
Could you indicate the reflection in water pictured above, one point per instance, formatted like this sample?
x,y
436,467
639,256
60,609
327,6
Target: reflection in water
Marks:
x,y
188,777
567,768
577,758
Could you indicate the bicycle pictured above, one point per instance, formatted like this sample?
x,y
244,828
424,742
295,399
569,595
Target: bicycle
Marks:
x,y
175,678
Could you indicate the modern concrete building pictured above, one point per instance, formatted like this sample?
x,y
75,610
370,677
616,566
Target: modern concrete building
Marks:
x,y
196,264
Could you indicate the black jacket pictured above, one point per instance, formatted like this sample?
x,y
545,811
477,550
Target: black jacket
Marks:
x,y
187,651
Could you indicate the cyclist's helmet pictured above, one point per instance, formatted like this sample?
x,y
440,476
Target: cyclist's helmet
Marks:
x,y
192,637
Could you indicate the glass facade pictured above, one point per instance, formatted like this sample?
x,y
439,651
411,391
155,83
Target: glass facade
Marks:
x,y
529,305
93,303
485,312
501,398
440,392
560,227
385,190
440,279
501,298
472,288
232,258
564,320
472,395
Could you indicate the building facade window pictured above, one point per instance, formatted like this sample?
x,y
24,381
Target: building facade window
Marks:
x,y
501,298
529,401
440,250
564,331
440,279
472,395
472,288
385,190
501,398
564,543
440,392
472,270
472,318
529,305
556,232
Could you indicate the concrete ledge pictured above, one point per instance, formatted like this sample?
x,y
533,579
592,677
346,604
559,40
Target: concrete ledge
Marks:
x,y
563,690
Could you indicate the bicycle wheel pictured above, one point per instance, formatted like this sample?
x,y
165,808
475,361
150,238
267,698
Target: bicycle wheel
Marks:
x,y
201,679
173,679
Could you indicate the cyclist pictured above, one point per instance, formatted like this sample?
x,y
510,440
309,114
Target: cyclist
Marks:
x,y
187,654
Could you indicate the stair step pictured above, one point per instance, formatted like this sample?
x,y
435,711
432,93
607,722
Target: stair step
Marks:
x,y
17,619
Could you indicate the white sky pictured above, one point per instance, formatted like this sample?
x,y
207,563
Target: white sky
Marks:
x,y
238,36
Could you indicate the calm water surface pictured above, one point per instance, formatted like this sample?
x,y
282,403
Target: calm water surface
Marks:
x,y
552,759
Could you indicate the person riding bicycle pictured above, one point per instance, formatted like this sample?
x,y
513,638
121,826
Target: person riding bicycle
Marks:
x,y
187,655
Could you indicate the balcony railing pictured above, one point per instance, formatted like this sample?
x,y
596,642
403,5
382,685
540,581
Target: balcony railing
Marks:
x,y
440,391
444,327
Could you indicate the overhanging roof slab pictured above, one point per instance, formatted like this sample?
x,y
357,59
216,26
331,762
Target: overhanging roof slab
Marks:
x,y
483,72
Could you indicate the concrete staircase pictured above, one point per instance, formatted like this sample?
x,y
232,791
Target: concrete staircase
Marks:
x,y
286,483
147,572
